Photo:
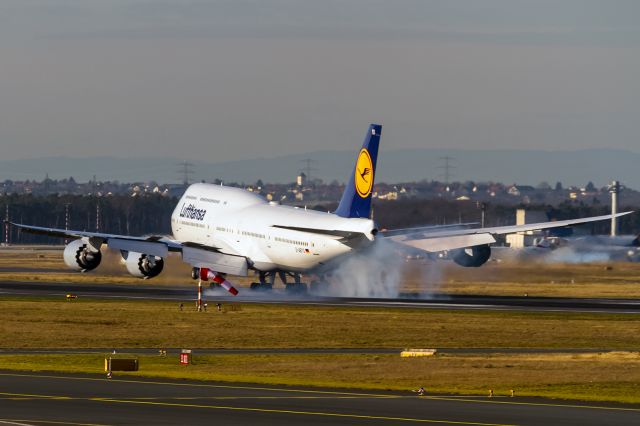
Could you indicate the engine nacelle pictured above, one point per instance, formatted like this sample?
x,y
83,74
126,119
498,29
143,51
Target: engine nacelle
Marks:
x,y
79,256
472,257
142,265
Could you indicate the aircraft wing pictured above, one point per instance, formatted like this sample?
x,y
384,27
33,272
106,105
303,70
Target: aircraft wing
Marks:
x,y
98,238
450,239
426,229
156,245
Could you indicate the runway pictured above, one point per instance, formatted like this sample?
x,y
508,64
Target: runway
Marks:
x,y
413,301
42,399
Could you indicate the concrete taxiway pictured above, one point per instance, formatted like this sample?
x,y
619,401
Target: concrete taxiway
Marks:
x,y
414,301
38,399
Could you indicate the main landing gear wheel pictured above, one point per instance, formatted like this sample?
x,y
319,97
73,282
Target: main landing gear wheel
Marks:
x,y
320,284
300,288
268,278
266,282
261,286
297,287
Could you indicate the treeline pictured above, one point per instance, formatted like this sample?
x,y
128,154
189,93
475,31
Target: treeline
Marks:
x,y
413,212
118,214
151,214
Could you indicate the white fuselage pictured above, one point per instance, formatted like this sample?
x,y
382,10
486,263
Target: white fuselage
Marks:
x,y
239,222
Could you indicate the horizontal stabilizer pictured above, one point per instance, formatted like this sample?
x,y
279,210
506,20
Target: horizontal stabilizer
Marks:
x,y
349,238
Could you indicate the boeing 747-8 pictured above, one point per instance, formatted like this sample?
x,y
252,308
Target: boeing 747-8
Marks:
x,y
222,230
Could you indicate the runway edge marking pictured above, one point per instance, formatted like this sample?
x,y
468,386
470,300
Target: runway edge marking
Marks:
x,y
47,422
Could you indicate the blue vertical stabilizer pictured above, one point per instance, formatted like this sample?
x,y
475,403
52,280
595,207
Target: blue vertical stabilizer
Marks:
x,y
356,199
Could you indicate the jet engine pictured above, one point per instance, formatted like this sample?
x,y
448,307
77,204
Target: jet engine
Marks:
x,y
79,256
142,265
472,256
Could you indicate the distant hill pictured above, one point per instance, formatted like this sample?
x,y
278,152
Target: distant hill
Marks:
x,y
509,166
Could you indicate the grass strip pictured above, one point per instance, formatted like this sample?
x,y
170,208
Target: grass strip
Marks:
x,y
591,377
87,323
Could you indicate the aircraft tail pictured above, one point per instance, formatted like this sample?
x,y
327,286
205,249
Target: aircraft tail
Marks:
x,y
356,199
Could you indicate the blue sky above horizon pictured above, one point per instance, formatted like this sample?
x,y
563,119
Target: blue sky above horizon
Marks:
x,y
230,80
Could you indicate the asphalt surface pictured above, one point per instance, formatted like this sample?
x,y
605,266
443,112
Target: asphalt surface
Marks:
x,y
414,301
41,399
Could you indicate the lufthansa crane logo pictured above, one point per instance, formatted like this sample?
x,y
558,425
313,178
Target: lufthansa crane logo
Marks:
x,y
364,174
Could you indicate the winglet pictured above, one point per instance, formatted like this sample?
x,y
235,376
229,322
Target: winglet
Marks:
x,y
356,199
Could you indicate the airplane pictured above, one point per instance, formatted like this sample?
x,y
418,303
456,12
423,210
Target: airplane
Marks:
x,y
222,231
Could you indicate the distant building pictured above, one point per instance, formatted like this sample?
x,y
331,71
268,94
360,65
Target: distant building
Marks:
x,y
301,179
525,239
514,191
391,195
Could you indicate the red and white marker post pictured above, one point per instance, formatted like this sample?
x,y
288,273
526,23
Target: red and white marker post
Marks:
x,y
207,274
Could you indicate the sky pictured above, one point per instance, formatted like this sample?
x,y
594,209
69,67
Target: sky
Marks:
x,y
232,80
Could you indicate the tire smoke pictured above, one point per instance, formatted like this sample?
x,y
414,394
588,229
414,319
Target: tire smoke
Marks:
x,y
375,272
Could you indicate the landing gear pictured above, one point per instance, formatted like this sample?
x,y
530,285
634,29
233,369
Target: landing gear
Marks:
x,y
267,280
296,289
320,285
297,286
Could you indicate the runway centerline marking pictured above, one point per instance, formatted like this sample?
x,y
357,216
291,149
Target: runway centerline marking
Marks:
x,y
306,413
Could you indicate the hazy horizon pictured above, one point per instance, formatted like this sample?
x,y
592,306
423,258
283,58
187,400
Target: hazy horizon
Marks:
x,y
529,167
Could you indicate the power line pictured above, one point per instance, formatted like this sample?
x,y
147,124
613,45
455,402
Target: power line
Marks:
x,y
447,167
67,220
98,217
308,168
186,171
6,226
